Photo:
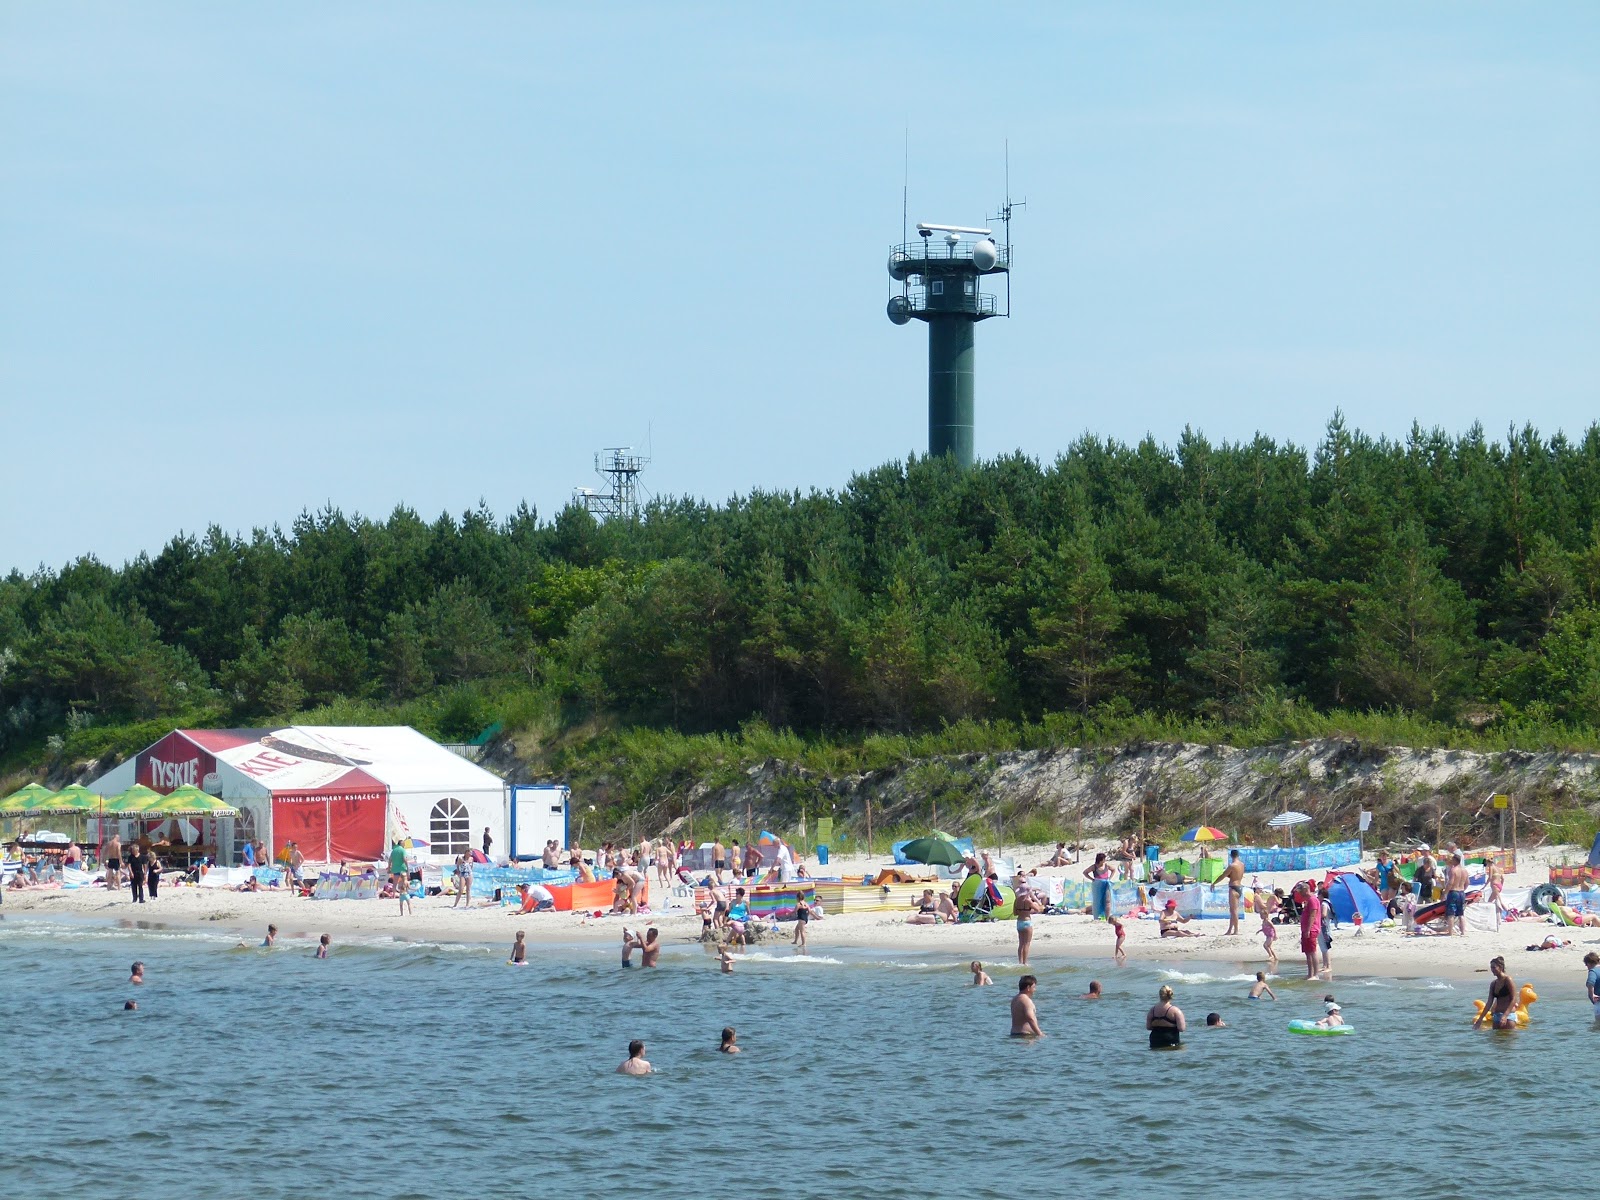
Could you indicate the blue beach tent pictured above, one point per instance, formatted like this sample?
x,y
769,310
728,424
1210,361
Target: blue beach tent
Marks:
x,y
1594,852
1349,894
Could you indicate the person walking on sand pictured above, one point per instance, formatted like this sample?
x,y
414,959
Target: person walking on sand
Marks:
x,y
464,883
1023,911
1455,897
111,855
1233,876
1024,1016
636,1063
1165,1022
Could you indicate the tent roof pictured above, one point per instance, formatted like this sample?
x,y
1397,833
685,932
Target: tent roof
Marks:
x,y
315,758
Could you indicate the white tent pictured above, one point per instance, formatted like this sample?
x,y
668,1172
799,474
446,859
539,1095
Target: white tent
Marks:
x,y
338,791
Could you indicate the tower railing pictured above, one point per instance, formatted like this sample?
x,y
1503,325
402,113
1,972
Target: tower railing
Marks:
x,y
936,249
983,304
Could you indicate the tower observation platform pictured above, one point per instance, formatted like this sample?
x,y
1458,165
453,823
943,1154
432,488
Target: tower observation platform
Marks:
x,y
940,276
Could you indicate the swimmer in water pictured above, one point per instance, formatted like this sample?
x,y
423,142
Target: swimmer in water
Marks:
x,y
322,946
729,1045
1215,1021
1094,992
648,946
1024,1016
726,959
1165,1022
1335,1017
137,974
130,1006
1259,988
519,950
980,977
636,1063
271,940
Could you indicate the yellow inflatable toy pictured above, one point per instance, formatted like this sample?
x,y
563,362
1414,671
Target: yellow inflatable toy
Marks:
x,y
1525,997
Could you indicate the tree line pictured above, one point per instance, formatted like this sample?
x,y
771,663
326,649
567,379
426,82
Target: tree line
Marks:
x,y
1455,577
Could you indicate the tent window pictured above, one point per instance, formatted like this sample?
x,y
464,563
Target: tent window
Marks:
x,y
449,828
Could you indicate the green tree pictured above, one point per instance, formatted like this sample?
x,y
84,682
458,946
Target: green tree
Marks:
x,y
1078,642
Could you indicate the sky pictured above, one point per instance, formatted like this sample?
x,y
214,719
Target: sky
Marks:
x,y
257,259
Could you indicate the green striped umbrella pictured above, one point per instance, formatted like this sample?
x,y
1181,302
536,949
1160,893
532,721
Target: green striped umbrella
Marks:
x,y
137,799
76,798
31,799
190,801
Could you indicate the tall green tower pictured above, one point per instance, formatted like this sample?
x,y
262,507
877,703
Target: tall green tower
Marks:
x,y
938,276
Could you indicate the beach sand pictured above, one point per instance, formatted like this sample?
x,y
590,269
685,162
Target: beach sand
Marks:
x,y
1375,951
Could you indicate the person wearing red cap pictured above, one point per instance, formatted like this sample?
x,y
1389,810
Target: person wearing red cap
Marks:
x,y
1170,920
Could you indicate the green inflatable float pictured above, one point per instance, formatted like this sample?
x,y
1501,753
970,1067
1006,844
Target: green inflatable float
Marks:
x,y
969,889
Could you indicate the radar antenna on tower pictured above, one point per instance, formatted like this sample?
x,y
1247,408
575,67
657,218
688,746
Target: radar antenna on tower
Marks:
x,y
621,471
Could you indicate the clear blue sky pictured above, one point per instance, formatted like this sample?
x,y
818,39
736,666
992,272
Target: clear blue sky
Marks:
x,y
257,258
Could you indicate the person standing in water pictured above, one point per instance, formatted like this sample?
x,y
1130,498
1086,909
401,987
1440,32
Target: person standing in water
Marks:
x,y
730,1043
322,946
1502,998
136,975
519,950
802,919
1233,876
1165,1022
1591,982
1023,911
271,939
636,1063
1024,1016
980,977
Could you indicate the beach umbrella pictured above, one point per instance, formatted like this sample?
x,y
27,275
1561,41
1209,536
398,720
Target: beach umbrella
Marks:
x,y
31,799
1203,833
76,799
190,801
137,799
932,851
1288,820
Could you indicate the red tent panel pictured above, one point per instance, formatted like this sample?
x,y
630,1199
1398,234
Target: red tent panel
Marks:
x,y
333,825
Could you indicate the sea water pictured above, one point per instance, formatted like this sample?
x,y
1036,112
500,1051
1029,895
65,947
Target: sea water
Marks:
x,y
417,1070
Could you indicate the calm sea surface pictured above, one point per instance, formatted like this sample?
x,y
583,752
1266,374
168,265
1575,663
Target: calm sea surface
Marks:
x,y
399,1070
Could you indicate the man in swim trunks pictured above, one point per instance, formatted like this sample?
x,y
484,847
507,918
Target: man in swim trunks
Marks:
x,y
1502,998
1023,910
111,855
1233,876
648,946
1024,1016
1455,898
719,861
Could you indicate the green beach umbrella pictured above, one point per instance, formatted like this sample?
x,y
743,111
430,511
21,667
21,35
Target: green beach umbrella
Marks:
x,y
190,801
932,851
76,798
31,799
137,799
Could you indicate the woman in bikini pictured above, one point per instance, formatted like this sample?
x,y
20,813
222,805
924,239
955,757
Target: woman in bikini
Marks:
x,y
1165,1022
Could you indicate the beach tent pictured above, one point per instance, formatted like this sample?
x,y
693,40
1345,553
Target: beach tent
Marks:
x,y
1350,894
336,792
1594,852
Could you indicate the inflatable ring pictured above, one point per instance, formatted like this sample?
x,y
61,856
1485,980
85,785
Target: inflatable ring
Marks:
x,y
1542,897
1310,1029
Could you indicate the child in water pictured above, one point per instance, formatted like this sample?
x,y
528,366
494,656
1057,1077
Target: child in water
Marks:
x,y
519,950
727,961
1269,936
1119,953
980,977
322,946
729,1042
271,939
1259,988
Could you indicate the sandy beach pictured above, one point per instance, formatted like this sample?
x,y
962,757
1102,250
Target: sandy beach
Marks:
x,y
1383,952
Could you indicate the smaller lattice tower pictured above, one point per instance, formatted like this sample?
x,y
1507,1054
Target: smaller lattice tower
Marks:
x,y
620,470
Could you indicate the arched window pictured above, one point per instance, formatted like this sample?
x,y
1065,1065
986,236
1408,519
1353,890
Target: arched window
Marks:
x,y
449,828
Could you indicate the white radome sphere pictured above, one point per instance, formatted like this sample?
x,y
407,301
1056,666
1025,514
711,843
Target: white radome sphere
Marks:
x,y
985,255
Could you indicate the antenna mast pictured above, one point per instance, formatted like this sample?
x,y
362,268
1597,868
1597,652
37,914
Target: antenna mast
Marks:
x,y
621,471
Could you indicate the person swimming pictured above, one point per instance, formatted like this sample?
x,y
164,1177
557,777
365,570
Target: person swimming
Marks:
x,y
980,977
1094,992
1259,988
729,1042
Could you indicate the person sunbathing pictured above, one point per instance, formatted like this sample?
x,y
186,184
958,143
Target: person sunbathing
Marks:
x,y
927,910
1578,917
249,885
